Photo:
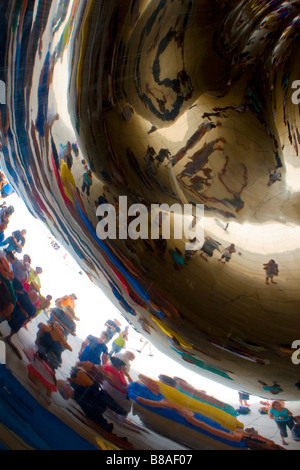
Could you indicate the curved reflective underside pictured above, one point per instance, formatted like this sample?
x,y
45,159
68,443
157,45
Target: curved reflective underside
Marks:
x,y
170,101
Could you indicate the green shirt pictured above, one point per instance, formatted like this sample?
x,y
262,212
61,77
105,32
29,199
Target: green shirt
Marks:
x,y
279,414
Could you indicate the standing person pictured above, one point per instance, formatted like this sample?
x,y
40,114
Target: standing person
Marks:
x,y
118,377
282,417
44,304
15,242
5,213
243,398
66,301
3,227
227,253
24,309
94,349
120,342
67,304
21,268
112,327
87,182
271,269
34,281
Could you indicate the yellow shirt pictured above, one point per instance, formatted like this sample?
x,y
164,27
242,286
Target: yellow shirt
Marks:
x,y
34,278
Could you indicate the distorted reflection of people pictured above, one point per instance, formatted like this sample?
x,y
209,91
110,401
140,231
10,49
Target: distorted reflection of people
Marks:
x,y
147,392
118,377
15,243
186,388
120,342
86,381
87,182
112,328
94,349
33,280
21,268
272,270
296,429
67,304
50,344
243,398
24,309
145,344
227,253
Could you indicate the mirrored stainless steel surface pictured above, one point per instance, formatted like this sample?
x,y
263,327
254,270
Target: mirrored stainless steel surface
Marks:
x,y
169,101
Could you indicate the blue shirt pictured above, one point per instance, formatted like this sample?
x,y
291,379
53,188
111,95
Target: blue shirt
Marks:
x,y
137,389
93,351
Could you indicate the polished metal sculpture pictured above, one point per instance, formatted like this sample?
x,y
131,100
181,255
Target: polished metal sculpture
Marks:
x,y
187,102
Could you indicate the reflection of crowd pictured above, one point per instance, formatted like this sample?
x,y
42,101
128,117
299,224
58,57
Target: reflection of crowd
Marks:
x,y
101,384
100,381
20,285
21,300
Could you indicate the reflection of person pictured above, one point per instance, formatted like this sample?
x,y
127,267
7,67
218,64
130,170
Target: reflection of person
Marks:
x,y
66,301
208,248
178,258
120,342
84,380
226,254
255,441
112,327
21,268
185,387
87,182
6,304
94,349
5,213
146,343
243,397
274,388
152,397
271,269
24,309
67,178
116,384
44,304
296,429
282,417
51,343
274,176
3,226
33,280
15,242
67,304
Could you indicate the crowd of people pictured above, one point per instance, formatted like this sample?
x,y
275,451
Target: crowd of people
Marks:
x,y
100,380
20,284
